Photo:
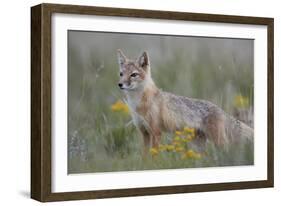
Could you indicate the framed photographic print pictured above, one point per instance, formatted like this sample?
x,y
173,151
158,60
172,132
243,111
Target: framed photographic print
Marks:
x,y
128,102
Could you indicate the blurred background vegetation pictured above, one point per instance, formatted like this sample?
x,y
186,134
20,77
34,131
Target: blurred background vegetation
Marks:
x,y
102,139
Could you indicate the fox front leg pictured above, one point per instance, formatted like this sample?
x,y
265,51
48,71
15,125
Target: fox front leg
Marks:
x,y
150,138
156,138
147,139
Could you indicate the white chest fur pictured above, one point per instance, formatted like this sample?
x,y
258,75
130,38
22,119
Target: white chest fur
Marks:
x,y
134,100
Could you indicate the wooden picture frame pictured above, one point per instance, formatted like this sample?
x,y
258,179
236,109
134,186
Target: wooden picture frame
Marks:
x,y
41,98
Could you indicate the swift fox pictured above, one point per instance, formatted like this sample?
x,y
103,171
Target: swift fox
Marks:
x,y
154,111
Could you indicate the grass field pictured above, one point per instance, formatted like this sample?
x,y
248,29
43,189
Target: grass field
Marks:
x,y
101,137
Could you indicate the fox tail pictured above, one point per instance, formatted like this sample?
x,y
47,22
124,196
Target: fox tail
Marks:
x,y
239,130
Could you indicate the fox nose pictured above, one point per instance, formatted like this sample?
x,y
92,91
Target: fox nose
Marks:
x,y
120,85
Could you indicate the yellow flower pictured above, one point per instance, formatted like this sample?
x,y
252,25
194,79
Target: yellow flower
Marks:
x,y
177,138
179,149
188,130
241,102
154,151
170,148
162,147
191,154
178,133
187,139
120,106
176,143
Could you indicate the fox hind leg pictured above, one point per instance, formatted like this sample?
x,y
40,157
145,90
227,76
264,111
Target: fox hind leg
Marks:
x,y
215,129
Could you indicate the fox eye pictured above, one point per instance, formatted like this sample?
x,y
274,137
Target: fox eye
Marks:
x,y
134,74
121,74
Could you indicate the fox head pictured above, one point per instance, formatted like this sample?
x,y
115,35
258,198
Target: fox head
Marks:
x,y
133,73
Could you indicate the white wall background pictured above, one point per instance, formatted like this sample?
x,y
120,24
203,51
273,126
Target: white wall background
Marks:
x,y
15,101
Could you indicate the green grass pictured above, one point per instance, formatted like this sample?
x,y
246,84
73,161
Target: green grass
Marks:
x,y
120,149
100,140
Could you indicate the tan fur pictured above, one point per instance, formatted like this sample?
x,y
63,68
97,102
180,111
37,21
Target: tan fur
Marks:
x,y
154,111
215,128
168,123
151,116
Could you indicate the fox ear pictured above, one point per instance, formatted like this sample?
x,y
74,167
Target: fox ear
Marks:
x,y
121,57
143,60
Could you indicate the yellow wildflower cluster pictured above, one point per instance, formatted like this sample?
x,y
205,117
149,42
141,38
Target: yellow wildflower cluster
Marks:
x,y
154,151
191,154
120,106
241,101
186,135
179,145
